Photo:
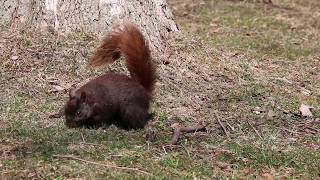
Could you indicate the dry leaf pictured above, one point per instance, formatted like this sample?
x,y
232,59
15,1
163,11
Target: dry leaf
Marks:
x,y
266,176
14,57
58,85
271,114
257,110
305,91
305,110
224,166
174,125
245,171
57,88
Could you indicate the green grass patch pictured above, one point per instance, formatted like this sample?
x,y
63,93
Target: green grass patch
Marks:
x,y
256,29
248,155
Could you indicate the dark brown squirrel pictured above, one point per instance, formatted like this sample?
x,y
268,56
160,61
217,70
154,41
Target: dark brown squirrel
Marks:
x,y
115,98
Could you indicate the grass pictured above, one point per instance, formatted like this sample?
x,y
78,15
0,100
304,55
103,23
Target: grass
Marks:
x,y
258,29
255,66
261,157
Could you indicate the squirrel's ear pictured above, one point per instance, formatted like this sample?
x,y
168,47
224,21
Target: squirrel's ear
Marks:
x,y
72,92
83,97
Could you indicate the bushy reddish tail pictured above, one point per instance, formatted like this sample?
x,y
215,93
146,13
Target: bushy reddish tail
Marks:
x,y
129,41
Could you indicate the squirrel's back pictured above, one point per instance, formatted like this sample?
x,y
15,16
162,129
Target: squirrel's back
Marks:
x,y
129,41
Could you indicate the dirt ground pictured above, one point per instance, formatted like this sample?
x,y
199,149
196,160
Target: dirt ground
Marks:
x,y
242,67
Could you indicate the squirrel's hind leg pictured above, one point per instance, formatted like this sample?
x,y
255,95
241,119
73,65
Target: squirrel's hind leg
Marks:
x,y
134,117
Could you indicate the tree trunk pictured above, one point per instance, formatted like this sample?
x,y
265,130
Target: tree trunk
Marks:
x,y
95,16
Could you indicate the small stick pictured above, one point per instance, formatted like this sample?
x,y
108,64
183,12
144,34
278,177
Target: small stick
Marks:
x,y
290,131
99,164
178,130
313,131
83,140
231,127
221,124
255,130
311,128
85,143
57,115
164,149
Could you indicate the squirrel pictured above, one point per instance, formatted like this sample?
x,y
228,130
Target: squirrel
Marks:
x,y
115,98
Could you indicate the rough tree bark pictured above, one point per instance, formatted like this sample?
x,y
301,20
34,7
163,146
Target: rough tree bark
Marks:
x,y
97,16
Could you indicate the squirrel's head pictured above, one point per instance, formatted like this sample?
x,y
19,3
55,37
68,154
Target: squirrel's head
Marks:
x,y
78,109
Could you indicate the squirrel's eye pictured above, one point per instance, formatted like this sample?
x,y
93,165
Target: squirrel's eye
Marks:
x,y
78,112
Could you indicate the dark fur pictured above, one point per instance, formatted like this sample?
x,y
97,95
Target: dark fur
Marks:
x,y
114,98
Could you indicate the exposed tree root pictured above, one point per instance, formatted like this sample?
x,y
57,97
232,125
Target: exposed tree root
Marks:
x,y
178,130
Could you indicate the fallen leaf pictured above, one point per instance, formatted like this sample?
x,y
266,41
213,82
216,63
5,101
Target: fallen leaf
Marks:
x,y
58,85
257,110
305,110
245,160
283,80
279,17
224,166
14,57
266,176
174,125
57,88
271,114
245,171
305,91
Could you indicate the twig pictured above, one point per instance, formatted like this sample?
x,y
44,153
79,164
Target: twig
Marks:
x,y
313,129
164,149
86,143
92,144
83,140
231,127
304,129
290,131
255,130
178,130
99,164
56,115
222,126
